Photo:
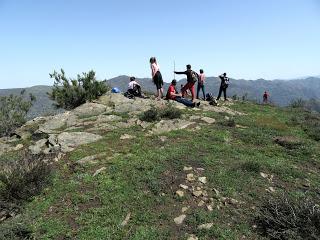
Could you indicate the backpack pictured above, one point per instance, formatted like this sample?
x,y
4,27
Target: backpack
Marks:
x,y
226,82
194,76
209,97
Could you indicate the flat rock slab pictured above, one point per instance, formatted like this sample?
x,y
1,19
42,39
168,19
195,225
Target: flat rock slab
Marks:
x,y
179,220
58,122
126,136
170,125
208,120
38,146
89,110
70,140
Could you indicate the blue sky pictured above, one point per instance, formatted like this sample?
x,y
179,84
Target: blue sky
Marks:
x,y
250,39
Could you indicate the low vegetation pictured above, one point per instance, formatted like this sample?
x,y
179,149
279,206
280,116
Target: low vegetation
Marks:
x,y
20,180
118,188
155,114
71,93
287,217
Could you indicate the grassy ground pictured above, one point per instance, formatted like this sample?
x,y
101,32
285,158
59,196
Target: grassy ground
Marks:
x,y
142,175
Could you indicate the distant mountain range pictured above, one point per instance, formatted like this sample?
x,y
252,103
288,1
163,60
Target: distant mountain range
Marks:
x,y
282,92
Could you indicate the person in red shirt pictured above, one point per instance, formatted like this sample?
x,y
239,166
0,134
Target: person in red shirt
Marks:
x,y
172,94
265,97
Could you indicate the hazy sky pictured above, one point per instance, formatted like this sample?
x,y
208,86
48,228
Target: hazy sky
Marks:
x,y
250,39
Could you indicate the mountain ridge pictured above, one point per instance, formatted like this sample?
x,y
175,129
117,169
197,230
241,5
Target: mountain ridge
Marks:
x,y
282,92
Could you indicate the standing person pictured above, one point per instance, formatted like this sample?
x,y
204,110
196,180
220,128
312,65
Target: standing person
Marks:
x,y
191,79
156,77
265,97
174,95
223,86
201,82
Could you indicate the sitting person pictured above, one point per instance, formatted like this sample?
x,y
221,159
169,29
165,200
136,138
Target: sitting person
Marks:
x,y
172,94
134,87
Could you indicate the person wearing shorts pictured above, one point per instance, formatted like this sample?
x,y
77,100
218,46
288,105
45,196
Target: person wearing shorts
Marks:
x,y
156,77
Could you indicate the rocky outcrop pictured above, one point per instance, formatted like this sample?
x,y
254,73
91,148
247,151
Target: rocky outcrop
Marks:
x,y
69,141
170,125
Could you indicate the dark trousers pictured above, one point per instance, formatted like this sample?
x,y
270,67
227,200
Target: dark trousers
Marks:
x,y
224,90
136,91
184,101
201,86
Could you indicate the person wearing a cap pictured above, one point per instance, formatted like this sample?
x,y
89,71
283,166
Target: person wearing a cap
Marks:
x,y
190,83
172,94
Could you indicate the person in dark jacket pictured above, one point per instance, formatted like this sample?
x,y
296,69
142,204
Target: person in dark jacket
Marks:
x,y
190,82
223,86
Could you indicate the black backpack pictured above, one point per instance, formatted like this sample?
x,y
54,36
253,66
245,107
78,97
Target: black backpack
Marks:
x,y
209,97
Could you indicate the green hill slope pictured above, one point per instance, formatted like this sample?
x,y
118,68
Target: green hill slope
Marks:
x,y
140,179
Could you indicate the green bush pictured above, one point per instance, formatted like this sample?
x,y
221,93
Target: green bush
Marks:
x,y
251,166
71,93
13,112
155,114
284,217
22,179
150,115
170,112
15,230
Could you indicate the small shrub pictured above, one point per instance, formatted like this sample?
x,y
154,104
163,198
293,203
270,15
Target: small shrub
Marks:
x,y
22,179
170,112
228,123
155,114
15,230
251,166
282,217
288,142
71,93
13,112
150,115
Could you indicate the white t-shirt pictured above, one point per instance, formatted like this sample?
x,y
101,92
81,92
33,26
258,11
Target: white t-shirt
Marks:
x,y
132,84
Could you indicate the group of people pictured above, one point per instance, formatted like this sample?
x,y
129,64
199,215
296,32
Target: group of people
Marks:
x,y
134,88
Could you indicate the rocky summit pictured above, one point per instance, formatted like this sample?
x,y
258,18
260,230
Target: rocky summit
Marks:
x,y
110,169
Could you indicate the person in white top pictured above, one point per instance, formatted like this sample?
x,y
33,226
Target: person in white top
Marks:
x,y
156,77
134,87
